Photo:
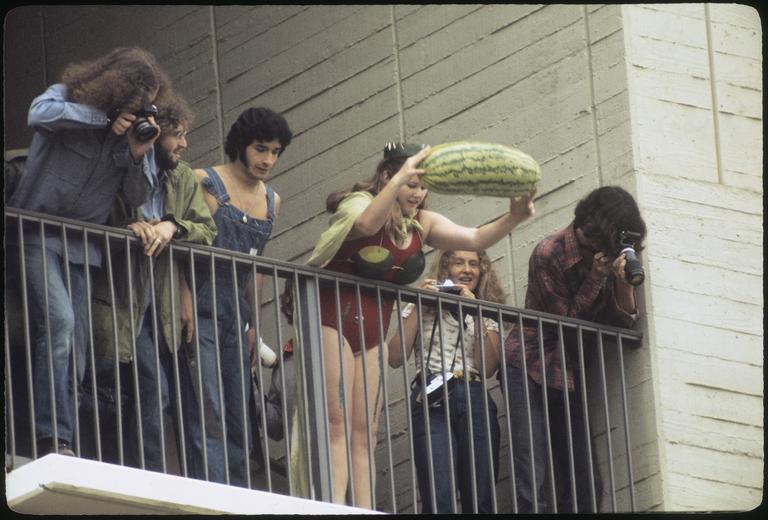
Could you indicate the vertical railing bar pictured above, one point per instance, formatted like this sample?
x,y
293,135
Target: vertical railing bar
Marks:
x,y
368,415
486,410
585,415
156,340
323,398
303,375
10,427
407,399
385,404
343,403
90,348
283,400
199,404
470,419
547,429
255,316
505,395
630,475
116,351
567,413
134,364
425,404
219,381
27,335
46,303
446,405
239,328
526,392
73,351
178,344
607,418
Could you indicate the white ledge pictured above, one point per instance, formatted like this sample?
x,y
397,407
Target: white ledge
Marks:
x,y
57,484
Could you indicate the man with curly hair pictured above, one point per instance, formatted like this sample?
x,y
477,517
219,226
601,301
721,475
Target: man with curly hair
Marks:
x,y
577,273
449,350
175,210
84,152
245,209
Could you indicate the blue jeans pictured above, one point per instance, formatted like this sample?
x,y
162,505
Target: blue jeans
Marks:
x,y
531,469
67,323
230,388
459,443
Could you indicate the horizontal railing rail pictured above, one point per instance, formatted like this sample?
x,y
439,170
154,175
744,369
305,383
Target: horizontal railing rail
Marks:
x,y
140,395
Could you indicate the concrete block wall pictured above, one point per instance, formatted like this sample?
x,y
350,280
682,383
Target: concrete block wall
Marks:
x,y
695,83
597,94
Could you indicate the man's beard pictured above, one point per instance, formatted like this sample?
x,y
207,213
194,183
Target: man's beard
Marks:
x,y
164,159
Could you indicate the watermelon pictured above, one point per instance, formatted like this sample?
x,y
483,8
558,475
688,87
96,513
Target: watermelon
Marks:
x,y
483,169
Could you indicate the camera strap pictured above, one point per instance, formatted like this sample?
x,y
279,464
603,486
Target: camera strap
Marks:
x,y
432,341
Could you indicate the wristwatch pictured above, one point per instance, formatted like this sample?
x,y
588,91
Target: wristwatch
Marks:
x,y
180,231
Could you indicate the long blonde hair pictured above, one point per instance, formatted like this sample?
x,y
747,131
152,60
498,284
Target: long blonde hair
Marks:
x,y
488,286
385,170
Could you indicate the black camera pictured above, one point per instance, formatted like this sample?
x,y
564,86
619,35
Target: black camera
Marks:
x,y
633,270
142,127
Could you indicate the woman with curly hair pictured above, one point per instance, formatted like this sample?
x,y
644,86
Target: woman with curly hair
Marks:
x,y
84,152
455,358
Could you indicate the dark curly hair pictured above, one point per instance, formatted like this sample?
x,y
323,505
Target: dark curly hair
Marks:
x,y
122,80
256,124
173,112
605,212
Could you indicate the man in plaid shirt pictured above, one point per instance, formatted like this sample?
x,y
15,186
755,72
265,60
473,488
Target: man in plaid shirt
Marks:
x,y
577,273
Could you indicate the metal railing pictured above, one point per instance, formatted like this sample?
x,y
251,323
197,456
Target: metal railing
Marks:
x,y
102,430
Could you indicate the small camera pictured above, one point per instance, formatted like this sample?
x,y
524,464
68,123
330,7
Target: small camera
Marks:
x,y
142,127
633,269
450,289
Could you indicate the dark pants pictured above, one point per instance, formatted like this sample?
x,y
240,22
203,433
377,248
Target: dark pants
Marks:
x,y
459,443
154,365
531,467
142,406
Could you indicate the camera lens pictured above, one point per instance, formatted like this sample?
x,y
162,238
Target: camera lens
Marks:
x,y
633,269
144,130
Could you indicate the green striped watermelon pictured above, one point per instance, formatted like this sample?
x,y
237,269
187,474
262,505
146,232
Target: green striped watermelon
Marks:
x,y
484,169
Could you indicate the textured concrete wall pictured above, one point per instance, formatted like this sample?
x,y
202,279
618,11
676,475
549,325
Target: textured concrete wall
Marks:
x,y
553,80
695,80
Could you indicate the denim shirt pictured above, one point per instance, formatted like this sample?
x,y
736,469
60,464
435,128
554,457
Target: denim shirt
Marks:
x,y
76,167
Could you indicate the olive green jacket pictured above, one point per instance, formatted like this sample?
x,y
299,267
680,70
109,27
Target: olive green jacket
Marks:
x,y
185,203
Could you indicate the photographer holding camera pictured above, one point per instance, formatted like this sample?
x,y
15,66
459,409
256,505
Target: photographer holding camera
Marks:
x,y
588,271
79,160
469,274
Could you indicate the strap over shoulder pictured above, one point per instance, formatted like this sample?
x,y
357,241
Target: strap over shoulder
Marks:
x,y
215,186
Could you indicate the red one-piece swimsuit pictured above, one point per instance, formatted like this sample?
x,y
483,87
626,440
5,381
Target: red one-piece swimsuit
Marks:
x,y
342,263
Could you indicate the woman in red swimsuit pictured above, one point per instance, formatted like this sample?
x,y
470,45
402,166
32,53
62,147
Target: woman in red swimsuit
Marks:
x,y
387,213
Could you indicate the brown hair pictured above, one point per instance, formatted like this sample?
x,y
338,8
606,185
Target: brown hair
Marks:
x,y
121,80
385,170
488,286
173,112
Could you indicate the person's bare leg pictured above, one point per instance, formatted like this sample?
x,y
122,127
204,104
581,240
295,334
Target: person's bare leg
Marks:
x,y
363,465
337,389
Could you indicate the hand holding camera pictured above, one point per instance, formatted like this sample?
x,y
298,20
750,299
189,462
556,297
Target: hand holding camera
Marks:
x,y
140,128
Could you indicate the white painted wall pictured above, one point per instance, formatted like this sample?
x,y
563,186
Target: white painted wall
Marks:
x,y
695,92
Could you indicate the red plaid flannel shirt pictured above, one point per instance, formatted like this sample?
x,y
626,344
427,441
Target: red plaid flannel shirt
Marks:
x,y
559,283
